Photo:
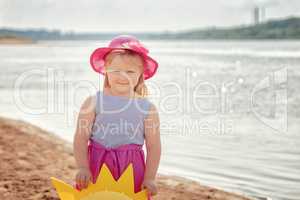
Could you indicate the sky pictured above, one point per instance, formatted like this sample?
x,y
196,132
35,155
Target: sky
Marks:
x,y
137,15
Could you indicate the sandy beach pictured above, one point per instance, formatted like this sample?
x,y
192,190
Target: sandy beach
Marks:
x,y
30,156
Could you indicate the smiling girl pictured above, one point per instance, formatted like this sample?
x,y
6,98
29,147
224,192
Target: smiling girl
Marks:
x,y
114,124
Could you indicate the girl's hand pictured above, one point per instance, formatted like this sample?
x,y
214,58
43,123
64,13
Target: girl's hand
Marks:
x,y
150,186
83,177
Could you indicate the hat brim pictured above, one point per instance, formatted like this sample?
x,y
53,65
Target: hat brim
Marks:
x,y
97,61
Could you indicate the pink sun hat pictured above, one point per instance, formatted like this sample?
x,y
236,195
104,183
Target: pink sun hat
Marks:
x,y
97,58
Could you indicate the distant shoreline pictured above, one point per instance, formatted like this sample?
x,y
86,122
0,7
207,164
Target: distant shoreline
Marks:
x,y
15,40
275,29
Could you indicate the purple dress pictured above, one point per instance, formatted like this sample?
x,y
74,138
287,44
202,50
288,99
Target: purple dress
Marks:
x,y
117,136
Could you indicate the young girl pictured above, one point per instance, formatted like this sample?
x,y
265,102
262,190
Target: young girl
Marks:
x,y
113,124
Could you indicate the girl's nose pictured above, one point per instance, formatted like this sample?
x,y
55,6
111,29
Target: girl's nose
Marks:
x,y
124,78
123,83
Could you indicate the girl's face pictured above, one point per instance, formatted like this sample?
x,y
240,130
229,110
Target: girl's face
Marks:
x,y
123,73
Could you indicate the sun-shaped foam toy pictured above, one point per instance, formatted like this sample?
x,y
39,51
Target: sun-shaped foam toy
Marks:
x,y
105,188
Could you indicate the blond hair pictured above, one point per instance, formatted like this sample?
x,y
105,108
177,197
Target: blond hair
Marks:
x,y
140,88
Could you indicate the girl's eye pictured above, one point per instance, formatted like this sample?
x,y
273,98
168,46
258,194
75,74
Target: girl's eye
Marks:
x,y
117,71
114,71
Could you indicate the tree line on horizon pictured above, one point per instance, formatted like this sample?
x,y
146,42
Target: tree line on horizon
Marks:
x,y
274,29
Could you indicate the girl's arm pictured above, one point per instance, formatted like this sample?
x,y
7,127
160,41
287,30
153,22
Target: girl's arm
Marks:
x,y
153,144
85,121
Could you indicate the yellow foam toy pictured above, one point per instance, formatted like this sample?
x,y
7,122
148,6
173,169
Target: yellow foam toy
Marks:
x,y
105,188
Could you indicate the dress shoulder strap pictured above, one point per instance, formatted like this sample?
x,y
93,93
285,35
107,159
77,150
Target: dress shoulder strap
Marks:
x,y
98,99
146,107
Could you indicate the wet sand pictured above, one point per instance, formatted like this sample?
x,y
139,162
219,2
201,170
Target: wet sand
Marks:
x,y
30,156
